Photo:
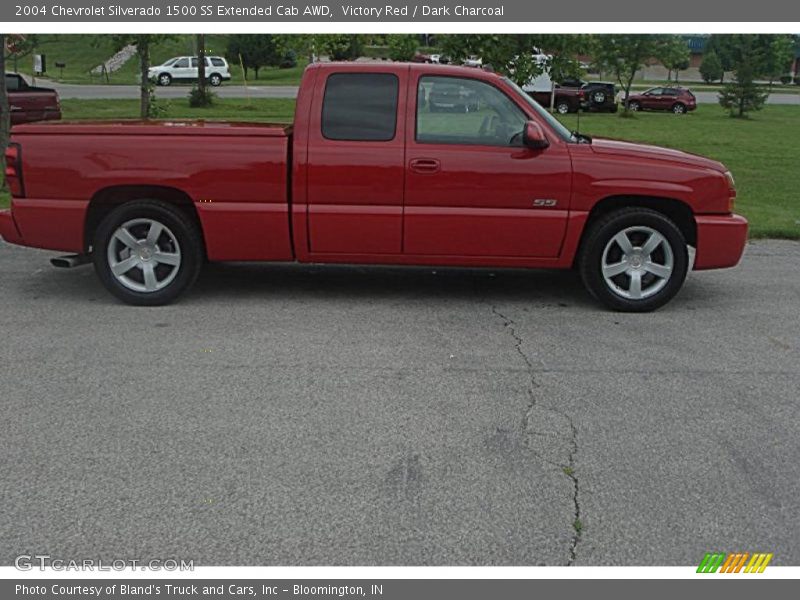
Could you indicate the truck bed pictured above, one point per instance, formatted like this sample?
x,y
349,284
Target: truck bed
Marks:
x,y
235,174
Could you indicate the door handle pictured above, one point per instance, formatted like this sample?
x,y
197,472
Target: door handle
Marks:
x,y
424,165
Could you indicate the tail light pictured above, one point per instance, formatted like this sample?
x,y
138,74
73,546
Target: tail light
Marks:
x,y
14,170
731,191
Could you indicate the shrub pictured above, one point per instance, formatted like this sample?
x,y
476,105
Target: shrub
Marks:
x,y
200,98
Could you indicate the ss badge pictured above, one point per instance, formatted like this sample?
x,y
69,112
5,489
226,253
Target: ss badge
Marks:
x,y
545,202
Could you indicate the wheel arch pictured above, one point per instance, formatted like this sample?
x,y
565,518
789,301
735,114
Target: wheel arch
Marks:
x,y
676,210
107,199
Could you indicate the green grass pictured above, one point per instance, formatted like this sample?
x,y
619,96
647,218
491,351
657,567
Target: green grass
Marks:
x,y
5,199
761,152
275,110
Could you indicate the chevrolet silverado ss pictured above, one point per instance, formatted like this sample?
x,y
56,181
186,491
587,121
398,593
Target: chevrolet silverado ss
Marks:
x,y
374,170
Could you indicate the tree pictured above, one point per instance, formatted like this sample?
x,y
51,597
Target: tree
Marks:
x,y
143,43
674,55
257,51
778,56
200,95
623,55
19,46
711,67
511,55
402,47
5,111
748,57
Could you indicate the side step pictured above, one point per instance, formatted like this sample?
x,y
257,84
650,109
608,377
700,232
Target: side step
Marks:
x,y
70,261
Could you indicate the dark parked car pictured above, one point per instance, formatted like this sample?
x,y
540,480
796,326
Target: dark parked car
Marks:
x,y
451,97
597,95
28,103
676,99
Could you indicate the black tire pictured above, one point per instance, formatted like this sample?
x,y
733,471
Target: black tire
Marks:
x,y
599,97
215,79
679,108
178,225
563,107
634,106
598,238
164,79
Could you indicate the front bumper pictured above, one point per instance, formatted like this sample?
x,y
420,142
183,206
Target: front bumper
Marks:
x,y
720,241
8,228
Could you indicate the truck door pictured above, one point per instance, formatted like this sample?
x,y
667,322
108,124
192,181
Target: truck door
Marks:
x,y
356,147
472,189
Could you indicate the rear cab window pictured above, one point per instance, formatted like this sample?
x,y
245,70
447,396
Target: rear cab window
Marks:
x,y
360,107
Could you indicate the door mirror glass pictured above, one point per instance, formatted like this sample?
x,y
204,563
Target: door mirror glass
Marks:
x,y
533,136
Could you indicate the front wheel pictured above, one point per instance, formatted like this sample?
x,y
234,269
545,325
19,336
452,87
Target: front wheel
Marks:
x,y
215,80
635,106
147,252
633,260
562,107
164,79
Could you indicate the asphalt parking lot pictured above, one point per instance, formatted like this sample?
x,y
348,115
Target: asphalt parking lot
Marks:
x,y
308,415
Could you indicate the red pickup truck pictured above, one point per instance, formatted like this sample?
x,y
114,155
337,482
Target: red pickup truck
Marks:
x,y
370,174
28,103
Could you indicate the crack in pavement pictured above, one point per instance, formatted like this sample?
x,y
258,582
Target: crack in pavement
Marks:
x,y
569,468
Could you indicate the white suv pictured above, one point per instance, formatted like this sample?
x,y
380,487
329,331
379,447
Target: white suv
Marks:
x,y
184,68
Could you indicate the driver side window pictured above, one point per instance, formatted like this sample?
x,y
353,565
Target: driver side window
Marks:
x,y
181,64
452,110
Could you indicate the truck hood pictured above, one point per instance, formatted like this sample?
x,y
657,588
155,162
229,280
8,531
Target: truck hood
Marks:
x,y
631,150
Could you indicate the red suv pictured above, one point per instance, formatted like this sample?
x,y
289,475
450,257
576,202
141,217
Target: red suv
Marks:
x,y
676,99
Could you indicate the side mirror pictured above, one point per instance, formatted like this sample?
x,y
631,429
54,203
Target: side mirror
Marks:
x,y
533,136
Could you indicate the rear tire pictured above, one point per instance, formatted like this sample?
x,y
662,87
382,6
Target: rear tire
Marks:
x,y
147,252
679,108
633,259
563,107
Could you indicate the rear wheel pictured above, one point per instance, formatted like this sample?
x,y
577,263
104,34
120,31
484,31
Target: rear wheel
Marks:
x,y
563,107
633,260
147,252
678,108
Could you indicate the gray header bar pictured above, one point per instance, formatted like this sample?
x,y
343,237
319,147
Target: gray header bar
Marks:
x,y
285,11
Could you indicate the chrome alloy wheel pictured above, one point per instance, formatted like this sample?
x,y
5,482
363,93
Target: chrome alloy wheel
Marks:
x,y
637,263
144,255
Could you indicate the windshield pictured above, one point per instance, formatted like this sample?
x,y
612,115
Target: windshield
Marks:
x,y
169,62
562,131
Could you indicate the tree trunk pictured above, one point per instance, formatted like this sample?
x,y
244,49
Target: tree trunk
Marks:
x,y
143,50
201,63
5,114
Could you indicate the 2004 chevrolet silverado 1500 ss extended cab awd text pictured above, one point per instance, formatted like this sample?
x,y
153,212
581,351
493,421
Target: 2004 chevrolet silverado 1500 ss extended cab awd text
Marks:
x,y
370,174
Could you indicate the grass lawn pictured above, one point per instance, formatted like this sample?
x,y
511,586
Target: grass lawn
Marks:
x,y
5,199
761,152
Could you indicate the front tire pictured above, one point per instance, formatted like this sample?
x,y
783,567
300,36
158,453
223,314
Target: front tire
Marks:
x,y
562,107
215,80
147,252
633,259
165,79
635,106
